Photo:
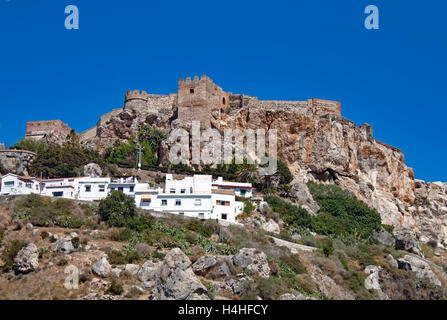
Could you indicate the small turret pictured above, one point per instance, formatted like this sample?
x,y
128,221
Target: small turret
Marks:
x,y
135,99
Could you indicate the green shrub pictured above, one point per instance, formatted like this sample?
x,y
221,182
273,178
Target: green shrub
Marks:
x,y
10,252
62,262
116,209
44,235
116,257
294,263
342,214
116,288
291,214
75,242
326,246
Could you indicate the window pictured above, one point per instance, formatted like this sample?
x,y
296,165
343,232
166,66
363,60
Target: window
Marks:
x,y
223,100
164,202
172,190
191,91
201,215
224,216
243,193
181,213
131,189
88,188
223,203
102,188
198,202
178,202
113,189
183,191
58,194
9,184
120,189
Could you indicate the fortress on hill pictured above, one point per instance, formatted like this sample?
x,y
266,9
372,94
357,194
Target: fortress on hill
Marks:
x,y
196,99
201,99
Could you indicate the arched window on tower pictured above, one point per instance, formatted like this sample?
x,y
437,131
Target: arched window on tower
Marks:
x,y
223,100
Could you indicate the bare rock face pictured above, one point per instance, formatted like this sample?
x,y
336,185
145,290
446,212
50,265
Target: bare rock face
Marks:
x,y
27,259
212,267
92,170
102,267
17,161
175,279
372,281
420,267
294,296
271,226
253,260
64,245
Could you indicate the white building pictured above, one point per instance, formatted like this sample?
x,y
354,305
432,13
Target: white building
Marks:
x,y
191,197
13,184
124,184
197,196
92,188
241,189
60,188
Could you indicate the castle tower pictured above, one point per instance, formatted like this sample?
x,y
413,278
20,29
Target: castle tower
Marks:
x,y
135,99
200,100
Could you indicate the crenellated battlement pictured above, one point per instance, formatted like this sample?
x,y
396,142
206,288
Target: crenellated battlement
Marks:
x,y
136,94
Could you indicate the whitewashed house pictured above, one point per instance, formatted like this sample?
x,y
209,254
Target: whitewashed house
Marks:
x,y
145,195
60,188
93,188
12,184
241,189
191,197
124,184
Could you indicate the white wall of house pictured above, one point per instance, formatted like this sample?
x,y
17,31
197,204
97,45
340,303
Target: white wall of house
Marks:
x,y
91,189
126,185
12,184
60,188
224,207
241,189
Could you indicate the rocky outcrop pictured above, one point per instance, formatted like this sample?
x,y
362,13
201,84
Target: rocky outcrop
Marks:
x,y
17,161
27,259
253,260
175,279
213,267
384,237
102,268
420,267
294,296
64,245
372,281
92,170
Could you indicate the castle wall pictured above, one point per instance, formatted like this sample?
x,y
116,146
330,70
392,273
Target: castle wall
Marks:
x,y
38,130
201,100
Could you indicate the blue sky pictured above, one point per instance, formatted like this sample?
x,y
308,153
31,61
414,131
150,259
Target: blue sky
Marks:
x,y
393,78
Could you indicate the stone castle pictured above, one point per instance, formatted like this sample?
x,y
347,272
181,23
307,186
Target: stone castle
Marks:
x,y
201,99
196,99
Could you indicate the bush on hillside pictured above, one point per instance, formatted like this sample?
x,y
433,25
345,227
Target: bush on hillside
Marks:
x,y
341,213
116,209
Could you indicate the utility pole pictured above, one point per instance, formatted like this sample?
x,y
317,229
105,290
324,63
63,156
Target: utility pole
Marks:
x,y
139,154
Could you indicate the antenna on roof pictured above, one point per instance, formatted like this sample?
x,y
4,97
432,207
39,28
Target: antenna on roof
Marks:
x,y
139,153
